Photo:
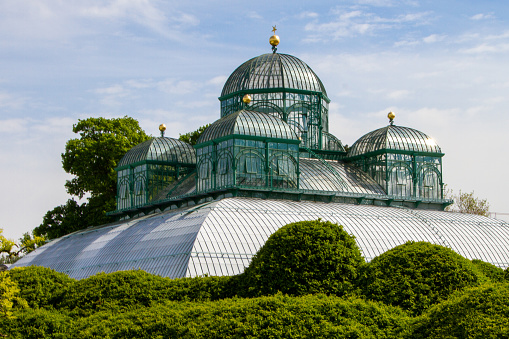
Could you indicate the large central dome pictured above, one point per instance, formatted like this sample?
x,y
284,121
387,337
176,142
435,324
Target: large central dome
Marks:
x,y
283,86
273,71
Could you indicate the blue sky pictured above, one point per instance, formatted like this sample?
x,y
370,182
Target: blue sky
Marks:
x,y
441,66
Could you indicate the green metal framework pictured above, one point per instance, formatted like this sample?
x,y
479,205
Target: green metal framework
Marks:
x,y
406,162
147,171
283,86
247,149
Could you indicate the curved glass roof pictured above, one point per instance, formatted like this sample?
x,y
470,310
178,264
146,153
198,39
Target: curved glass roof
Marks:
x,y
395,138
273,70
221,237
317,176
160,149
251,123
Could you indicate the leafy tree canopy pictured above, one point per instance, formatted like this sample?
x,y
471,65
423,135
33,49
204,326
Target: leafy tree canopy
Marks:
x,y
92,159
192,137
467,203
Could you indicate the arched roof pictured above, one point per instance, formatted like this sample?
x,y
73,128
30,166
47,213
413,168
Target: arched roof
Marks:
x,y
250,123
160,149
221,237
273,70
395,138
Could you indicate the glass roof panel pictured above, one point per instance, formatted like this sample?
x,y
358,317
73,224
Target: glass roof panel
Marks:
x,y
273,70
395,138
221,237
248,123
161,149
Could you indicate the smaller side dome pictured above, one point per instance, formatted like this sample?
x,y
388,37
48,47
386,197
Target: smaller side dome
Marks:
x,y
395,138
161,149
250,123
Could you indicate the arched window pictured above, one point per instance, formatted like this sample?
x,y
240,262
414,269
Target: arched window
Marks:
x,y
400,182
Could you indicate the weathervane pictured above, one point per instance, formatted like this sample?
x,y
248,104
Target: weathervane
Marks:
x,y
274,39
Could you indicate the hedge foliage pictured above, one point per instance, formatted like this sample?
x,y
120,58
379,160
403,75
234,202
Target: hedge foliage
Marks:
x,y
417,275
480,312
304,257
308,281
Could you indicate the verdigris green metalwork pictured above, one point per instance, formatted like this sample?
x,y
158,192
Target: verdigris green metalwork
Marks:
x,y
406,162
284,86
146,171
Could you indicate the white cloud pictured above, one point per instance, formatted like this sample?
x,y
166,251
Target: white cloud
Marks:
x,y
482,16
433,38
487,48
398,94
351,23
305,15
10,101
254,15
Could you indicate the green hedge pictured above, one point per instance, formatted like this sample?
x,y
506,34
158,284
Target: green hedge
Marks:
x,y
126,289
301,258
40,286
480,312
417,275
311,316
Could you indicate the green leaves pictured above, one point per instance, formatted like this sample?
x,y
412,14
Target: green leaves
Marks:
x,y
304,257
417,275
92,159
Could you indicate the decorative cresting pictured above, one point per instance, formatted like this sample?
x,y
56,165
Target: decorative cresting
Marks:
x,y
148,169
405,161
283,86
247,149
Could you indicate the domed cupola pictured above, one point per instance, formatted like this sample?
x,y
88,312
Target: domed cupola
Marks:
x,y
248,123
147,169
394,138
407,162
247,149
283,86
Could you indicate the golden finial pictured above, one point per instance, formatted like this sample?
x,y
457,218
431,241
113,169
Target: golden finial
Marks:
x,y
274,39
391,117
162,128
246,99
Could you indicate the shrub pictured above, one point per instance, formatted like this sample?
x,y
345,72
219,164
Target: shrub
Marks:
x,y
125,289
304,257
492,272
40,286
310,316
417,275
480,312
37,323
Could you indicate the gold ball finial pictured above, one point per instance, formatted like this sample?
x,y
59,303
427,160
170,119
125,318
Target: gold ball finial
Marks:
x,y
274,39
391,116
162,128
246,99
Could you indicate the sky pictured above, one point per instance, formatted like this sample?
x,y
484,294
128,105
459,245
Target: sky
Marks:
x,y
441,66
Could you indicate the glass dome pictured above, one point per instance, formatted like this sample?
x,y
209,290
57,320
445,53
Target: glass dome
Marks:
x,y
273,70
160,149
250,123
396,138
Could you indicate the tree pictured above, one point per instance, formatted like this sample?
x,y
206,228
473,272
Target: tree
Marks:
x,y
92,159
7,247
192,137
467,203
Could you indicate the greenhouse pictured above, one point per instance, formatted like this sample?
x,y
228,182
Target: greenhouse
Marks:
x,y
270,159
